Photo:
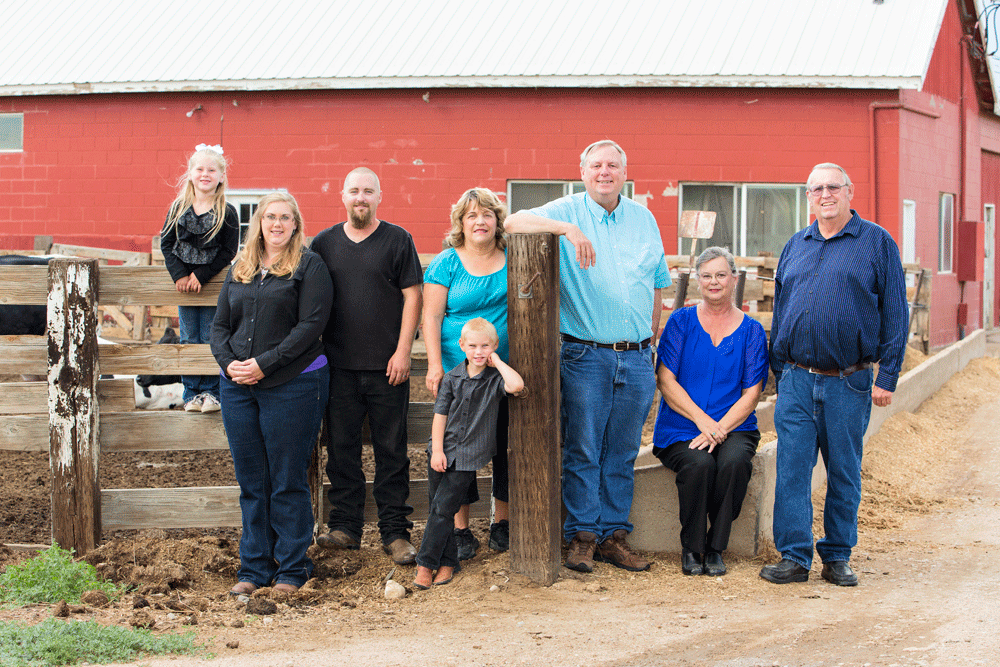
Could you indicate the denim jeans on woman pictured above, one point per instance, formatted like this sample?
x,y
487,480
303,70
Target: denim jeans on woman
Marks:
x,y
606,397
829,415
271,435
196,328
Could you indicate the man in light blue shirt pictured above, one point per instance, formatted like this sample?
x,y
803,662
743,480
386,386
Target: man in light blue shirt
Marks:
x,y
611,272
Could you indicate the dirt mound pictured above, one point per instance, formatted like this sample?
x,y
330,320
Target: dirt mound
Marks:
x,y
901,462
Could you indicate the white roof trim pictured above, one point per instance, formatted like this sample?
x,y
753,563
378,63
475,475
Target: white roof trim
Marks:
x,y
383,83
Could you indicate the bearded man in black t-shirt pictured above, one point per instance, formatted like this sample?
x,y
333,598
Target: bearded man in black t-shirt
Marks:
x,y
376,306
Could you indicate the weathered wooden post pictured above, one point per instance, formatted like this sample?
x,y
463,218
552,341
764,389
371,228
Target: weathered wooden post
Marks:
x,y
73,411
534,448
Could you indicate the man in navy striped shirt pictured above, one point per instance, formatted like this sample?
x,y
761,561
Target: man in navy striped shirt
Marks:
x,y
839,306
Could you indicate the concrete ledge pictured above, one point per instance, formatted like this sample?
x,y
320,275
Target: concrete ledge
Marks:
x,y
654,507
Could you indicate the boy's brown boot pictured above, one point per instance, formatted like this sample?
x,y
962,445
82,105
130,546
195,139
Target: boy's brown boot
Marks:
x,y
581,552
615,550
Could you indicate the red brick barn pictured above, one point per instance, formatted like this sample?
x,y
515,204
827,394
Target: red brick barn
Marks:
x,y
720,105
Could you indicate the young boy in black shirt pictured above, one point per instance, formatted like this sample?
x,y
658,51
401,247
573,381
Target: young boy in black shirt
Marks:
x,y
463,439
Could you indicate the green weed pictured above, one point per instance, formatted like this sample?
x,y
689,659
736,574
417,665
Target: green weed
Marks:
x,y
51,576
53,643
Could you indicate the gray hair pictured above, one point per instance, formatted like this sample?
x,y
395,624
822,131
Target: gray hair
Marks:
x,y
600,144
714,253
831,165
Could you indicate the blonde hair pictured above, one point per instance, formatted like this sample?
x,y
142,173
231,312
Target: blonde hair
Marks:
x,y
249,260
185,194
483,199
480,325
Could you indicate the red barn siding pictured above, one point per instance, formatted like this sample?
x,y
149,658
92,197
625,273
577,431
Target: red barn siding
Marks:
x,y
991,195
100,169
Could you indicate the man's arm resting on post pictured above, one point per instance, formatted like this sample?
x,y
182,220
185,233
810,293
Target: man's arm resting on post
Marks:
x,y
398,370
523,222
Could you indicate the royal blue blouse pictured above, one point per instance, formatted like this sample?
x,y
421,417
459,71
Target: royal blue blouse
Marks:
x,y
714,377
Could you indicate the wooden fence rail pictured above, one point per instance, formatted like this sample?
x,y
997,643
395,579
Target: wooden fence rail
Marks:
x,y
65,414
25,419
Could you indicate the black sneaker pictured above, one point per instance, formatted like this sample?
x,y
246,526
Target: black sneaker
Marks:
x,y
500,536
467,543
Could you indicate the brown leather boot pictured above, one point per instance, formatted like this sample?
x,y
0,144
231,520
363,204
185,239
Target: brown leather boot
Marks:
x,y
615,550
581,552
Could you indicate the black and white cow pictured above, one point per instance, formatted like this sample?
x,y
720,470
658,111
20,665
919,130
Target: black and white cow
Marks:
x,y
22,320
159,392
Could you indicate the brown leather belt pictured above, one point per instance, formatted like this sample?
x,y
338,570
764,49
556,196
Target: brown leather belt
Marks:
x,y
835,373
623,346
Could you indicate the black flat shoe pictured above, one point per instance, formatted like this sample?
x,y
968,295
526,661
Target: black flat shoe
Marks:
x,y
785,572
714,565
691,563
840,573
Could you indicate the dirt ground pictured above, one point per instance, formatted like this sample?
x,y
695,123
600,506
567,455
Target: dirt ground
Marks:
x,y
928,541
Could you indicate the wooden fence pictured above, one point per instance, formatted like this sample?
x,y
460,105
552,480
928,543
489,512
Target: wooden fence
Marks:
x,y
73,361
75,415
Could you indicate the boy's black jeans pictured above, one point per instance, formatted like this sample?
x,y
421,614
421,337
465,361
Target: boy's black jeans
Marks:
x,y
447,493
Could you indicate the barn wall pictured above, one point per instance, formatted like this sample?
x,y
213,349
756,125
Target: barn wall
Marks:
x,y
100,169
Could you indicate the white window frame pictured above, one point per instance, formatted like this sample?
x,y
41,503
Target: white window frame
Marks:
x,y
569,187
946,232
246,197
18,119
740,233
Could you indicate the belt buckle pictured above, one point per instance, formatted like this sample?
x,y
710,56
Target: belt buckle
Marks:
x,y
623,348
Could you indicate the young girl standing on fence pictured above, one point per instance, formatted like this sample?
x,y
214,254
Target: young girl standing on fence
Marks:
x,y
199,240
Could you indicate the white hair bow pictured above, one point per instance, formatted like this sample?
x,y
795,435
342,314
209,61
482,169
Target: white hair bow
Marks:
x,y
205,147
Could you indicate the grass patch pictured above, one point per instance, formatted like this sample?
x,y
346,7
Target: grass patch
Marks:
x,y
51,576
52,643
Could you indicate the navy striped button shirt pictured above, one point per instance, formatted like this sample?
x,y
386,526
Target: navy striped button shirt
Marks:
x,y
841,301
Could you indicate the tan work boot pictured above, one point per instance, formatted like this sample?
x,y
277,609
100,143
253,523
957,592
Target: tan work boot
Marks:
x,y
581,552
615,550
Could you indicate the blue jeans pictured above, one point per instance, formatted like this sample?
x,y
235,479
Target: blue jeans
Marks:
x,y
196,327
606,397
829,415
271,436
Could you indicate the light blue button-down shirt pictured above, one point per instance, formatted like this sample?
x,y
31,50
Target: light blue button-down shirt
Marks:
x,y
611,301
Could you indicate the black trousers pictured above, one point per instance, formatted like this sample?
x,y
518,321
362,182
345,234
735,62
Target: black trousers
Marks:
x,y
710,487
501,489
354,395
446,491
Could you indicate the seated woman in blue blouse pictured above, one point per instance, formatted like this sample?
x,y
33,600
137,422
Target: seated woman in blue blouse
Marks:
x,y
711,369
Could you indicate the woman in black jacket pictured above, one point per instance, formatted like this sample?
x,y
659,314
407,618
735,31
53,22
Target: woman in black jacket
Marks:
x,y
273,306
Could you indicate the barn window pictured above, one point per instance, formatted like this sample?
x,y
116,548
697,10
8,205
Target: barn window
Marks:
x,y
11,131
245,202
946,225
523,195
751,217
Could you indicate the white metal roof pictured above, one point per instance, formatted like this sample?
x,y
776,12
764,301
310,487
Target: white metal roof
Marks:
x,y
104,46
989,22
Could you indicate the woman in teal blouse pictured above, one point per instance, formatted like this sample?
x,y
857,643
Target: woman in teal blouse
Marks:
x,y
465,281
